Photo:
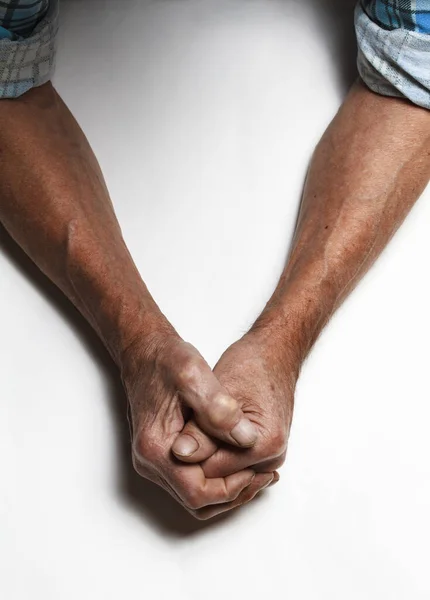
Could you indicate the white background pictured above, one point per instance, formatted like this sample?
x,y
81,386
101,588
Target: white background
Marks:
x,y
204,115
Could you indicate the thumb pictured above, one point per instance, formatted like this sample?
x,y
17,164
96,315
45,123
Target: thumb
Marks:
x,y
193,445
216,412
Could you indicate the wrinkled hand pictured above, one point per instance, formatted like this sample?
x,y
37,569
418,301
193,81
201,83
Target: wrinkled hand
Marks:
x,y
257,373
163,380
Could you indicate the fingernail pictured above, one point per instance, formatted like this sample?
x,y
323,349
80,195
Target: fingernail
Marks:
x,y
185,445
244,433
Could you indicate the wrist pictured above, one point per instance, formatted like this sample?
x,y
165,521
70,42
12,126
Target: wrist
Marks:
x,y
290,325
276,340
144,343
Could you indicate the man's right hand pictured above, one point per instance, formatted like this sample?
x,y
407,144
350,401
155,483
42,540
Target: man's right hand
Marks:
x,y
166,379
55,205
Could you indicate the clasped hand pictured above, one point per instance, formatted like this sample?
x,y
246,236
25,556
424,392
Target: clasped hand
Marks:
x,y
212,439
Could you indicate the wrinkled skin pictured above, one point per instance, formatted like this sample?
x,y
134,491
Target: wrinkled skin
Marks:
x,y
259,376
161,385
367,172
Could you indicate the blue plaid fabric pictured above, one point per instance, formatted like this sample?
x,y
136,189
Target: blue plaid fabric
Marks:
x,y
393,46
413,15
28,31
18,19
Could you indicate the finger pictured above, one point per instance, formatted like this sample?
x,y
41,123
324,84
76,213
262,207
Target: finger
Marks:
x,y
193,445
276,478
195,491
229,460
217,413
186,483
272,464
260,482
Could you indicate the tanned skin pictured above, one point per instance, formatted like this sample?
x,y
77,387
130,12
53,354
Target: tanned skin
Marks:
x,y
370,167
54,203
368,170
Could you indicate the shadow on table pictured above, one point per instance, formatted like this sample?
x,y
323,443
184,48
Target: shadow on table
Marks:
x,y
153,504
337,24
156,506
334,17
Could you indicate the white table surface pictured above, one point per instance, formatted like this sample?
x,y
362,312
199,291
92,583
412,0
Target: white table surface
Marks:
x,y
204,115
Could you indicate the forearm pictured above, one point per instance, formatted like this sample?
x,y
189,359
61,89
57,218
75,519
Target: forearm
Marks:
x,y
54,203
370,167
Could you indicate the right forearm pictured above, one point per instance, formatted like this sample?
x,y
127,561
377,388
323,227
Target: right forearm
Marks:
x,y
369,169
54,203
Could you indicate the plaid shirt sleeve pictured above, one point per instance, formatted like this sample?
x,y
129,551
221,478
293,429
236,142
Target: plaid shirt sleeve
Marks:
x,y
28,30
394,47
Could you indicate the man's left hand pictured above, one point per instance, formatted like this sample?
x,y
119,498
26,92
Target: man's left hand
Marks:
x,y
260,376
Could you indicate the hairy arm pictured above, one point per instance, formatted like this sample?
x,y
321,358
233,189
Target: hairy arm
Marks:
x,y
54,203
369,168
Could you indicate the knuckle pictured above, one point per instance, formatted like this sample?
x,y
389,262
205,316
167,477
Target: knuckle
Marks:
x,y
278,443
144,448
275,444
189,371
278,462
194,500
233,495
222,409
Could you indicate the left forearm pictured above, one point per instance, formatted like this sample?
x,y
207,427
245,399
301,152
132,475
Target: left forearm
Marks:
x,y
370,167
